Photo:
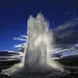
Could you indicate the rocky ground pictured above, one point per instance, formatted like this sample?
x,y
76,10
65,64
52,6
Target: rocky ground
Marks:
x,y
70,75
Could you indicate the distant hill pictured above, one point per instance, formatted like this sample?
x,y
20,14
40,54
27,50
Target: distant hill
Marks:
x,y
6,53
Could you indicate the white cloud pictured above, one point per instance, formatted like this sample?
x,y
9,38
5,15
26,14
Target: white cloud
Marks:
x,y
23,36
58,50
19,45
73,50
9,50
66,25
18,38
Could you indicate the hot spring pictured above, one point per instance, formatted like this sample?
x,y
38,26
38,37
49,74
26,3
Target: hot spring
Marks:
x,y
40,41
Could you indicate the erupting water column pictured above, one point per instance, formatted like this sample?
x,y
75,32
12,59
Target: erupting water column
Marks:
x,y
39,42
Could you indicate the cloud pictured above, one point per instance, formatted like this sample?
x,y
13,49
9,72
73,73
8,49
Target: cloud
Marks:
x,y
71,22
21,38
9,50
66,39
24,36
72,49
68,12
58,50
19,45
66,25
66,34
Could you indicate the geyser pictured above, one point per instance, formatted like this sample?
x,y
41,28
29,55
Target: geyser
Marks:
x,y
39,42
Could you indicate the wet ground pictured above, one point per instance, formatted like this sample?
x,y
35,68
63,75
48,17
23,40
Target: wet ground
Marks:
x,y
70,75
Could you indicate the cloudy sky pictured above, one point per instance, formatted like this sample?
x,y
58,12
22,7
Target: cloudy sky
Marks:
x,y
62,15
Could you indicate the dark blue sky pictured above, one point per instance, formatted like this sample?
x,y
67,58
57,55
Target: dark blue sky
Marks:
x,y
14,15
